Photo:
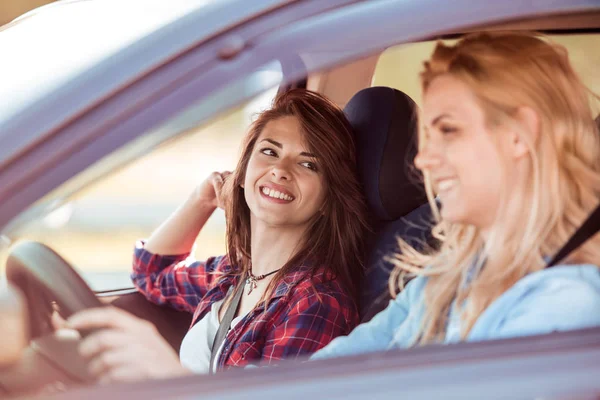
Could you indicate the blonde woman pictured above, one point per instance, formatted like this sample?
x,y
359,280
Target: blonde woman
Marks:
x,y
510,148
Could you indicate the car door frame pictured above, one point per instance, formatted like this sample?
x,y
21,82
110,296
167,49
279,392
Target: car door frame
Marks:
x,y
184,81
557,366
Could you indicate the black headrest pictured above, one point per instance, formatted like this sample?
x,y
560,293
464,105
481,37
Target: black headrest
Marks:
x,y
385,125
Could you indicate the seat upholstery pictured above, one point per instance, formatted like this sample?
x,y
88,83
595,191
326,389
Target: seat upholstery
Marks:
x,y
384,122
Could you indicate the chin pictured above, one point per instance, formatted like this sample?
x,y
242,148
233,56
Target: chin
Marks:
x,y
453,215
272,219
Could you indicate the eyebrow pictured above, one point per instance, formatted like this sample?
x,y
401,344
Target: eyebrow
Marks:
x,y
438,119
279,145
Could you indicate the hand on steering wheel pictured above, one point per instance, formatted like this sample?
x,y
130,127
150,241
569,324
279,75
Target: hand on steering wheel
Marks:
x,y
43,276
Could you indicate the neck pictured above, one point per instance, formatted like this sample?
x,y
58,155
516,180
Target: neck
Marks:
x,y
272,247
512,212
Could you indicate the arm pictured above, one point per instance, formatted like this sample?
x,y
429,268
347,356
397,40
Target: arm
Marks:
x,y
558,305
162,269
177,281
378,334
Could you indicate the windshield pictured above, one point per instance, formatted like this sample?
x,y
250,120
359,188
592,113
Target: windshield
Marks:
x,y
68,37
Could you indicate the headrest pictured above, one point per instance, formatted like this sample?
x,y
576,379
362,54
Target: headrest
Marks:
x,y
385,125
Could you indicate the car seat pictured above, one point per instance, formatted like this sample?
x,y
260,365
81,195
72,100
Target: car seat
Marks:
x,y
385,125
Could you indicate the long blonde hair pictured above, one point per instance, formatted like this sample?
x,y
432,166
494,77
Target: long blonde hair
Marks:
x,y
506,71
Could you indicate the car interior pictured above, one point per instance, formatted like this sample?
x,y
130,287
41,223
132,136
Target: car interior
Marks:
x,y
385,125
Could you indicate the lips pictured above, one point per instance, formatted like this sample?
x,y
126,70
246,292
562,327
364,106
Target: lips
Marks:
x,y
276,192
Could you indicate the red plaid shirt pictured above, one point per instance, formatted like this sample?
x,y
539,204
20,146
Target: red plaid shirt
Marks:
x,y
294,321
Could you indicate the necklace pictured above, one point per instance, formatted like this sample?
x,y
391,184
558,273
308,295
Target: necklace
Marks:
x,y
252,279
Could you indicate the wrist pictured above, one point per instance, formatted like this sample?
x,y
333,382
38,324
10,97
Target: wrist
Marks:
x,y
199,201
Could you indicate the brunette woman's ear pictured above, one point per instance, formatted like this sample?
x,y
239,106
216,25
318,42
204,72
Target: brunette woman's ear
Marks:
x,y
242,185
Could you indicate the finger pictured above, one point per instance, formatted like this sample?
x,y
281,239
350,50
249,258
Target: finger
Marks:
x,y
222,176
217,178
102,318
123,373
107,360
57,321
102,341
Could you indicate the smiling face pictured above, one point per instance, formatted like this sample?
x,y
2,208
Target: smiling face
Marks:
x,y
283,185
466,162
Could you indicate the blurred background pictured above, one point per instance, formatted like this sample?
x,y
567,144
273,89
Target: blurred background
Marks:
x,y
11,9
97,230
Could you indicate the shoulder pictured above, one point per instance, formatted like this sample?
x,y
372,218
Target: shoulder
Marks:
x,y
561,298
219,264
318,293
566,284
412,294
321,284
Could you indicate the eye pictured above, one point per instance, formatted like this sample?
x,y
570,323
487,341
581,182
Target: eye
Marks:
x,y
446,129
269,152
310,165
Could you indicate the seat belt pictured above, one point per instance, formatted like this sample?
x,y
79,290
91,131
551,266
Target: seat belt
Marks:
x,y
588,229
226,323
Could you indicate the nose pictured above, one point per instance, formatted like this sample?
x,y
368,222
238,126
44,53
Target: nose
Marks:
x,y
281,170
428,157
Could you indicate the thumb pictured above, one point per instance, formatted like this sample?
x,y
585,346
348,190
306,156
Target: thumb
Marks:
x,y
57,321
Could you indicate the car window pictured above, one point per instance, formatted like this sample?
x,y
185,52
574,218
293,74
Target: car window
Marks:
x,y
77,53
398,66
97,228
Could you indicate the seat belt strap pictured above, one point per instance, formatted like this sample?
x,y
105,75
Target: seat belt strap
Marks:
x,y
226,323
588,229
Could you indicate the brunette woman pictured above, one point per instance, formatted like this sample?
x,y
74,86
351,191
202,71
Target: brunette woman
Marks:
x,y
295,227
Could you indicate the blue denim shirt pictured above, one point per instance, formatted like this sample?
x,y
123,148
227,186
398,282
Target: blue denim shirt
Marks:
x,y
561,298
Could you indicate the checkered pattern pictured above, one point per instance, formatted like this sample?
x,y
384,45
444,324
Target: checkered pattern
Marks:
x,y
304,314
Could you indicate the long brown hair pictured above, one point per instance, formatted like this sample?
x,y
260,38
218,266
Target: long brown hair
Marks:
x,y
335,236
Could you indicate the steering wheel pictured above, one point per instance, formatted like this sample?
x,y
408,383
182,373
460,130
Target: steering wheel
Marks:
x,y
44,276
51,358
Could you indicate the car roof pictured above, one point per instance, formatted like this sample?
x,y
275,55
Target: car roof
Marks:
x,y
62,47
49,46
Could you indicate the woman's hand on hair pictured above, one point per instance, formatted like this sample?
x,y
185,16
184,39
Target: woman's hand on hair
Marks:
x,y
179,232
211,190
123,347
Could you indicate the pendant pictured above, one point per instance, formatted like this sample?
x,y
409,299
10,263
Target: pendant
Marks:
x,y
252,283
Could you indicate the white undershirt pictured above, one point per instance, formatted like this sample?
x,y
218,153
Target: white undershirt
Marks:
x,y
194,352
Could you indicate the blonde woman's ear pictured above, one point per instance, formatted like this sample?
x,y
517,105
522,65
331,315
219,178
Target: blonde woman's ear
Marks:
x,y
529,120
